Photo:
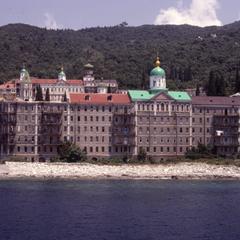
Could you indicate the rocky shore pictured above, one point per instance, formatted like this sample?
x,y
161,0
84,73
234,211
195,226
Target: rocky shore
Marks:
x,y
94,171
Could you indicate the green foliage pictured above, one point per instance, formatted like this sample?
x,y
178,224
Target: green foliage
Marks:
x,y
216,84
69,152
237,81
197,90
122,53
65,97
142,155
109,89
201,151
47,97
39,94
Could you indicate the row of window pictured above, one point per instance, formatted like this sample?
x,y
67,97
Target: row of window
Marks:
x,y
163,107
87,129
63,89
165,149
167,120
155,130
163,140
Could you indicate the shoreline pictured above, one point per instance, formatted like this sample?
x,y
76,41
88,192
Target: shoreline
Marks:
x,y
87,171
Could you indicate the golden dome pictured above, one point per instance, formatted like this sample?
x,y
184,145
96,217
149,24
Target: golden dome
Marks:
x,y
158,63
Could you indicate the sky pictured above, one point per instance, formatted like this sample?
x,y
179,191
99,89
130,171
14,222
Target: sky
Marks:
x,y
78,14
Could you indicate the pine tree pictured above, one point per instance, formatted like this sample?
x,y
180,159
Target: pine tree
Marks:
x,y
143,81
39,96
47,96
65,97
220,84
211,88
198,91
237,81
109,89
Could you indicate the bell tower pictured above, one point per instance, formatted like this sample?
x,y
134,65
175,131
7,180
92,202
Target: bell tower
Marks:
x,y
25,85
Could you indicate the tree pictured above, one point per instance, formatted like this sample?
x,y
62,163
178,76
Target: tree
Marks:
x,y
216,84
142,155
237,81
47,97
220,84
69,152
123,24
144,81
65,97
109,89
39,95
198,90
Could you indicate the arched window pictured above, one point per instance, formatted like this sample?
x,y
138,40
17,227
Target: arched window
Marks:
x,y
162,106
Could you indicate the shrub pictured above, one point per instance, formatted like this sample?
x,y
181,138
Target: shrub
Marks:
x,y
69,152
142,155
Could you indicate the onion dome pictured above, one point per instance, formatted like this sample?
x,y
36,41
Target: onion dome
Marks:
x,y
158,71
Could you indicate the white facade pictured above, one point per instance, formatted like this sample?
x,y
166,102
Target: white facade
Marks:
x,y
158,82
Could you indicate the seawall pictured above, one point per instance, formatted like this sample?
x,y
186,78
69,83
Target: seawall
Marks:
x,y
86,170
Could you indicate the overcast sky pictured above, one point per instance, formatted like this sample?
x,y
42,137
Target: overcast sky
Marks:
x,y
77,14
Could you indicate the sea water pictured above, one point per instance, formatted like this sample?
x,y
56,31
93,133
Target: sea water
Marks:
x,y
113,209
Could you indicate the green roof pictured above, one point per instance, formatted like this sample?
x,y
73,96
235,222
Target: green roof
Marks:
x,y
157,71
62,73
179,96
141,95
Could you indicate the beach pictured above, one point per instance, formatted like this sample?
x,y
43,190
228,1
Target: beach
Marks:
x,y
184,170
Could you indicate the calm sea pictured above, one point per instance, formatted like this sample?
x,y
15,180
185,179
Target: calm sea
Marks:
x,y
162,210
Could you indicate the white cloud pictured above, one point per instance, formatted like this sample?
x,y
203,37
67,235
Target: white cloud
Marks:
x,y
50,22
200,13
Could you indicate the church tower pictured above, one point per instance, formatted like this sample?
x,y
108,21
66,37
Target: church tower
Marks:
x,y
62,75
158,77
25,85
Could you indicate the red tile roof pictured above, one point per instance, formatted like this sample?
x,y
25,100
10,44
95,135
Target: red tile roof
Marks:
x,y
54,81
7,85
204,100
99,98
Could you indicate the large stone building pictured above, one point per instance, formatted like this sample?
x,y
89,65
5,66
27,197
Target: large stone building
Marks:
x,y
164,123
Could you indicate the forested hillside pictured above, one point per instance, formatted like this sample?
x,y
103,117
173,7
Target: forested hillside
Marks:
x,y
187,53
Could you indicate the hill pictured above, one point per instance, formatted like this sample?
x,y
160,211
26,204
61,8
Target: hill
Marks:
x,y
123,53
